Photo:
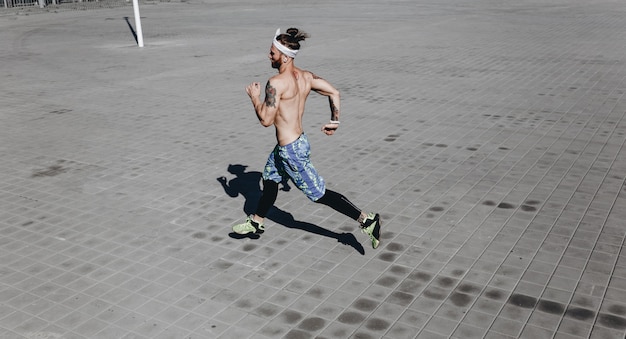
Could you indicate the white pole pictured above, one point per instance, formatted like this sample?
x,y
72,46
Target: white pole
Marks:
x,y
138,23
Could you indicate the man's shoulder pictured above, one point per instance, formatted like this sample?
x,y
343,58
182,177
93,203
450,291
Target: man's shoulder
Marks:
x,y
276,81
312,75
277,77
281,77
308,74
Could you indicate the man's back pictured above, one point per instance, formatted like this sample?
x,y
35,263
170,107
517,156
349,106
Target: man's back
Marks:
x,y
294,87
286,94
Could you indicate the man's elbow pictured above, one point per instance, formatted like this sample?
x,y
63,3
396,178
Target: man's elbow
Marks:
x,y
266,122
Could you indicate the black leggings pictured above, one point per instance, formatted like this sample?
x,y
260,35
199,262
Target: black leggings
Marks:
x,y
270,192
331,199
340,204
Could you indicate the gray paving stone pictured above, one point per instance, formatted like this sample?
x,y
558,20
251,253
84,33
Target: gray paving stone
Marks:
x,y
491,139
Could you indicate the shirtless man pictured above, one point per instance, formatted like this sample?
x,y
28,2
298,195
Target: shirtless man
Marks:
x,y
283,107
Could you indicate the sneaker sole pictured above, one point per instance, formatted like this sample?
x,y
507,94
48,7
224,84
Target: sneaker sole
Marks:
x,y
376,237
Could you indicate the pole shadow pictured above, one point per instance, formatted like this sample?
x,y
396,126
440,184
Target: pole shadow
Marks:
x,y
132,30
247,184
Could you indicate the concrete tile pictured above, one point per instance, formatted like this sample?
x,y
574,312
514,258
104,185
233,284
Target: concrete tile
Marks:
x,y
440,326
600,332
531,331
401,331
273,330
468,331
507,327
574,328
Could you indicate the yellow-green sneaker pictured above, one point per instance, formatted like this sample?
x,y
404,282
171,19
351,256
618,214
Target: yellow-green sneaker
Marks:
x,y
371,226
250,226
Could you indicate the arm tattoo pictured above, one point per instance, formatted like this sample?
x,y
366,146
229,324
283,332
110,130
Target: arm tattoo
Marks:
x,y
334,112
270,95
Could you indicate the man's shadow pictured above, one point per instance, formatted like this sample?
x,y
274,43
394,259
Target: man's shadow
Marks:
x,y
248,185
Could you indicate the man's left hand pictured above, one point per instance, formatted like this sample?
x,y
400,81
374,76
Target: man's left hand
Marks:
x,y
329,129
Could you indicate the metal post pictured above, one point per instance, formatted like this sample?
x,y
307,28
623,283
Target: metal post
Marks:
x,y
138,23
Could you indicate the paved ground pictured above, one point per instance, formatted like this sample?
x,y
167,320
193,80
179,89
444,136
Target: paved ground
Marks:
x,y
489,135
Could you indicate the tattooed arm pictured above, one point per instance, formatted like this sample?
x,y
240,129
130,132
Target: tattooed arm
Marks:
x,y
323,87
265,110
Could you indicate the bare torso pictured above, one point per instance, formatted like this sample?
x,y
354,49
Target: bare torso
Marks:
x,y
296,86
285,98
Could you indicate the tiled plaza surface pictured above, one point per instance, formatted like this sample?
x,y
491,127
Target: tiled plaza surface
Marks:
x,y
488,134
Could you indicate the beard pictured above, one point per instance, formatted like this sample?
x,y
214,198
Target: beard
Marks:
x,y
276,64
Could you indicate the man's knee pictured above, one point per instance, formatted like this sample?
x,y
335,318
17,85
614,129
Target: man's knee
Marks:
x,y
270,186
324,200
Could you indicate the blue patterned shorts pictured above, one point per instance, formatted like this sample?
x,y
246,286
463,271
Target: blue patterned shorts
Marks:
x,y
293,162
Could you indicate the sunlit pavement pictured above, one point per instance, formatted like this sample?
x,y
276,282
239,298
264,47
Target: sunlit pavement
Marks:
x,y
489,135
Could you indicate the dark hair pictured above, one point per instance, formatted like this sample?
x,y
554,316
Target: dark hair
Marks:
x,y
292,38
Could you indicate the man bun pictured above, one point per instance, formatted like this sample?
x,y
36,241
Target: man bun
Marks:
x,y
291,39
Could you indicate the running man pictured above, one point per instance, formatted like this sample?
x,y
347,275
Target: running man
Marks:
x,y
285,96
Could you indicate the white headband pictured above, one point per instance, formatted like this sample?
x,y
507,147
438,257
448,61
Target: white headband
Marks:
x,y
282,48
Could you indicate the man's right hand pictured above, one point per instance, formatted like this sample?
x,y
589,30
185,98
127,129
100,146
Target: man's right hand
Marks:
x,y
254,90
